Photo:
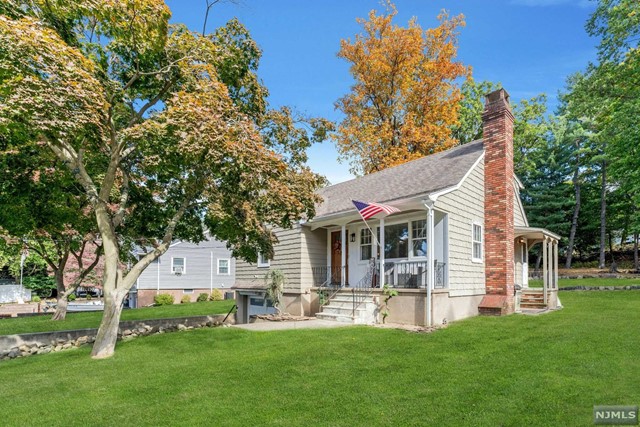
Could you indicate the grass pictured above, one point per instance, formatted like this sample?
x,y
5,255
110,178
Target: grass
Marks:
x,y
21,325
563,283
513,371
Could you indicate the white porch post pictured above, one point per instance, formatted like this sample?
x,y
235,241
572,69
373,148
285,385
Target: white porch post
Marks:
x,y
430,256
382,276
343,254
329,266
545,268
555,265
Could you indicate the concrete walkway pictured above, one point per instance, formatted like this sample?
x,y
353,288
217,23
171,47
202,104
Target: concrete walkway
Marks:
x,y
299,324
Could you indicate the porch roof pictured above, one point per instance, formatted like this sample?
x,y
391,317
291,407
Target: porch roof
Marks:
x,y
416,178
535,233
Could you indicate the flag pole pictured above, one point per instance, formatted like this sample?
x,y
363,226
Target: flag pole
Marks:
x,y
378,245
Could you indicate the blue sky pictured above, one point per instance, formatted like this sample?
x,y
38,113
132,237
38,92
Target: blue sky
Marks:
x,y
530,46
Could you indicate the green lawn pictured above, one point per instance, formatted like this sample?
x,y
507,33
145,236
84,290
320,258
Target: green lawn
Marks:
x,y
546,370
92,319
563,283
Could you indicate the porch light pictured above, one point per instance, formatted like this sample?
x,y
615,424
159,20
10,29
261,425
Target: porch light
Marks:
x,y
353,237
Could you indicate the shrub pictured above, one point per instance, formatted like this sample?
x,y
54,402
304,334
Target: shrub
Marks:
x,y
35,298
88,297
186,299
163,299
40,285
203,297
216,295
71,297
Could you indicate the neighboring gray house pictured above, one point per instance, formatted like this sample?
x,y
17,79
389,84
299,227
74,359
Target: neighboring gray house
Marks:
x,y
188,269
458,247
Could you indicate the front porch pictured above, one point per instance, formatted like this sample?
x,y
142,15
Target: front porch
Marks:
x,y
531,296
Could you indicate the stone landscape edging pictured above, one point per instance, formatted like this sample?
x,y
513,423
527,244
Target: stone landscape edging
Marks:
x,y
601,288
22,345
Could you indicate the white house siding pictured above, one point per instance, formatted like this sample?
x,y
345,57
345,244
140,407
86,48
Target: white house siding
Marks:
x,y
198,273
465,206
287,256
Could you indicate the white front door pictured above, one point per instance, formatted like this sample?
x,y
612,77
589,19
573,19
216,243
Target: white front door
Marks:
x,y
525,265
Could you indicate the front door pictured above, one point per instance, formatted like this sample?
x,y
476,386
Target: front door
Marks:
x,y
336,258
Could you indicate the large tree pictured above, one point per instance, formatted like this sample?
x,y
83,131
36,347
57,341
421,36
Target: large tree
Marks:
x,y
405,96
160,127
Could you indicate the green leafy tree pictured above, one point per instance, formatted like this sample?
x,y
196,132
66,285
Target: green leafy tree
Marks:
x,y
469,126
159,126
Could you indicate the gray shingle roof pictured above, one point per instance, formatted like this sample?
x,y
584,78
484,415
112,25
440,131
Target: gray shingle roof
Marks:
x,y
421,176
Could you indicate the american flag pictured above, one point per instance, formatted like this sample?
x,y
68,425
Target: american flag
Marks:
x,y
368,210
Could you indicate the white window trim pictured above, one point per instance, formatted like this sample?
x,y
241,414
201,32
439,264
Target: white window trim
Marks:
x,y
184,267
411,239
228,267
473,258
360,245
263,264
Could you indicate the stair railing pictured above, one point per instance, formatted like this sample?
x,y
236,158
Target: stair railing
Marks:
x,y
324,281
364,288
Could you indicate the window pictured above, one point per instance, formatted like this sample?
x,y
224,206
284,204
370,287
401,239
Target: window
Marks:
x,y
476,238
419,238
187,291
263,260
396,241
178,265
223,266
365,244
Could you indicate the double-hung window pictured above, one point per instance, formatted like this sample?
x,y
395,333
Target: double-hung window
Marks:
x,y
263,260
476,243
365,244
223,267
419,238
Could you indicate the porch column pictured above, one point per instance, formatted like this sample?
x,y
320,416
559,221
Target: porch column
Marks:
x,y
382,276
329,266
343,254
555,264
545,268
430,258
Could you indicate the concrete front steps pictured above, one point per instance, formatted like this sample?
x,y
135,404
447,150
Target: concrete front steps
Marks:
x,y
340,309
532,299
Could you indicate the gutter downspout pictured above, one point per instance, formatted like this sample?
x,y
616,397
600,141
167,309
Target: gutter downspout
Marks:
x,y
428,203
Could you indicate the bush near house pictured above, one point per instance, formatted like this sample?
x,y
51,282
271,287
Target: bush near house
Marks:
x,y
216,295
202,297
186,299
163,299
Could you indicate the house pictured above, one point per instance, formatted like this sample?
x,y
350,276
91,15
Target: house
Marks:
x,y
187,269
458,247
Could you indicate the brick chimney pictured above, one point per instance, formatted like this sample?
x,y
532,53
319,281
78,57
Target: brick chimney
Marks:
x,y
498,205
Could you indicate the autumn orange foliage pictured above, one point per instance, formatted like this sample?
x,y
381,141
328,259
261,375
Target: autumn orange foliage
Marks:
x,y
405,97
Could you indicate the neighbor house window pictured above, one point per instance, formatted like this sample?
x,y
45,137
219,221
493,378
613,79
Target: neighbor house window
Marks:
x,y
396,241
476,237
223,266
419,238
263,260
178,265
365,244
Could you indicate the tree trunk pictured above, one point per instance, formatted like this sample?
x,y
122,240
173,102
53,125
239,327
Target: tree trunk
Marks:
x,y
636,265
603,216
61,299
107,336
614,266
574,220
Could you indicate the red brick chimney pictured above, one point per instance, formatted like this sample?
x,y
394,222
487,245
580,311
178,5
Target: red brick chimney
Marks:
x,y
498,205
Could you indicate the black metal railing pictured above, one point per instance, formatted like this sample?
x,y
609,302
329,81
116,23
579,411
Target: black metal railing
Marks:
x,y
327,280
363,289
413,274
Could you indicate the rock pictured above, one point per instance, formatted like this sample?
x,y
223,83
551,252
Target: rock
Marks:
x,y
161,330
126,332
82,340
91,339
148,328
57,348
181,327
67,345
141,330
128,338
23,348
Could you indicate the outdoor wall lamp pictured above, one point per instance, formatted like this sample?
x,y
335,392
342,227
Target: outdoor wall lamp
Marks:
x,y
353,237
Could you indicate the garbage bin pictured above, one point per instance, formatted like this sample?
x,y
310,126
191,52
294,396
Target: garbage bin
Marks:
x,y
229,295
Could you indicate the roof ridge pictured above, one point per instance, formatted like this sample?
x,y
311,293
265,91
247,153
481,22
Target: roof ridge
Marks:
x,y
403,164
